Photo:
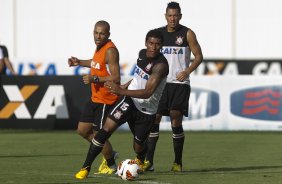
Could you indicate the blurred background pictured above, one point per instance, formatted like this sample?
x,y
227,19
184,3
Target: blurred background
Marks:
x,y
237,87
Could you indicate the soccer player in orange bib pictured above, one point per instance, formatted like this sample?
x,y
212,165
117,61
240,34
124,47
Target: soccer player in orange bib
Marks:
x,y
104,66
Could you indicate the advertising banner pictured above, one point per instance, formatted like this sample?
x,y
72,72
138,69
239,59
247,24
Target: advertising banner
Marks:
x,y
216,103
240,67
207,67
233,103
42,102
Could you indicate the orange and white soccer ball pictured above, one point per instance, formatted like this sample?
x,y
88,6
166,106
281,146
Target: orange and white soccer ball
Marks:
x,y
128,169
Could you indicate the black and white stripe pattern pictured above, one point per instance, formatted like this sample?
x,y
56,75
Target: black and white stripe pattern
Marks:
x,y
96,143
178,136
118,105
103,116
154,134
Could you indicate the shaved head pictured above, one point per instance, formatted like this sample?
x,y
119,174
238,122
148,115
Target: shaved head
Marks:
x,y
103,23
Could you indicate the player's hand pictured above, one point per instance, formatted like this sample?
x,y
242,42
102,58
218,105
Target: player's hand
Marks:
x,y
113,87
87,79
73,61
182,76
123,86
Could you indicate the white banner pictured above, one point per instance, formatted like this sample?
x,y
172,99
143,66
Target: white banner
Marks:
x,y
233,103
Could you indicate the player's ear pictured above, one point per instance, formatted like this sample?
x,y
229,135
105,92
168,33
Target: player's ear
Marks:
x,y
146,43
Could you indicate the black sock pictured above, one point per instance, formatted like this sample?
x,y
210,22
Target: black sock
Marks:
x,y
152,142
178,143
91,155
111,161
142,154
96,147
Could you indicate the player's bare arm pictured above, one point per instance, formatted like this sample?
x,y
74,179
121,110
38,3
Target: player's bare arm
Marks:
x,y
196,51
159,72
115,87
125,86
112,58
74,61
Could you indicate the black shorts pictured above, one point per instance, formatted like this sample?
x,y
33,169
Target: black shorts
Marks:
x,y
95,113
139,123
174,97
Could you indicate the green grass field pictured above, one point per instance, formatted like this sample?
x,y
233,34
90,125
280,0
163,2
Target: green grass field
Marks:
x,y
28,157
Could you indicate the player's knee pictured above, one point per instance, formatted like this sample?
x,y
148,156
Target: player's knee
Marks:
x,y
82,133
102,136
110,125
176,123
85,130
176,118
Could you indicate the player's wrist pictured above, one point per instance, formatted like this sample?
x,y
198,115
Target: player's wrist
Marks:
x,y
95,79
122,92
79,62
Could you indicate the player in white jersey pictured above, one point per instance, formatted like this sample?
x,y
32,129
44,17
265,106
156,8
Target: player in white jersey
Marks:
x,y
138,101
179,42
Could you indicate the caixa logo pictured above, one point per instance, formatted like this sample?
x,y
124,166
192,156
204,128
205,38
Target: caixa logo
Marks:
x,y
203,103
262,103
52,103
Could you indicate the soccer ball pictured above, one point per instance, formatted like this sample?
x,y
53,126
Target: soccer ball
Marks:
x,y
121,166
128,169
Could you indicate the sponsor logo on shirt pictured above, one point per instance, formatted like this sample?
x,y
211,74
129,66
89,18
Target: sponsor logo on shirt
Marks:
x,y
179,40
172,51
141,73
148,67
117,114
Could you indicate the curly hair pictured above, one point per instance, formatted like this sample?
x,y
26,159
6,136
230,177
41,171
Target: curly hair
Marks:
x,y
155,34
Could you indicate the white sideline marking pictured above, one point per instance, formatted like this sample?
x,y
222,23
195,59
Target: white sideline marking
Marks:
x,y
136,181
96,176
